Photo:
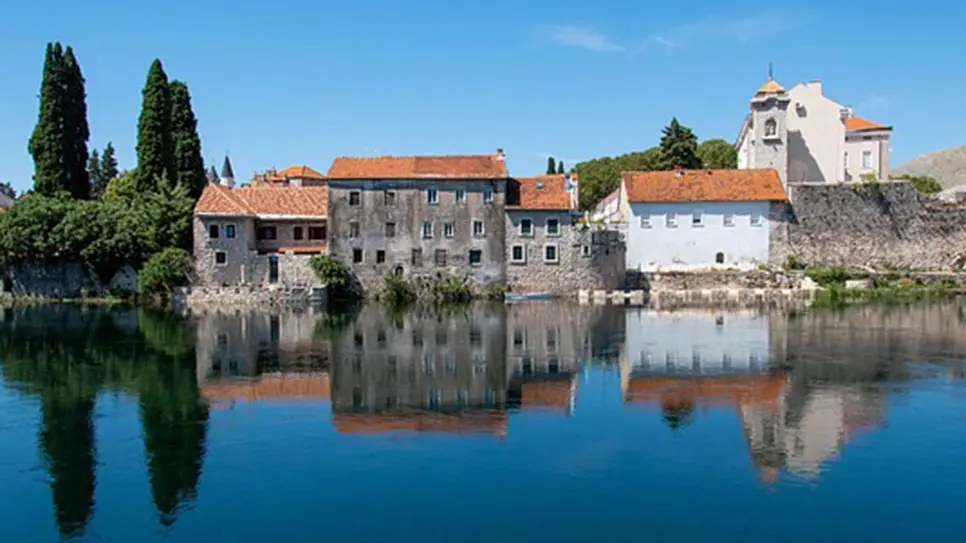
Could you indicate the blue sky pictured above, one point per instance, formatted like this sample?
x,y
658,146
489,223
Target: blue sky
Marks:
x,y
299,81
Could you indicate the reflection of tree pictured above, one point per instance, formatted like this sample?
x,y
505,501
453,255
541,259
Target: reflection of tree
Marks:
x,y
677,412
67,439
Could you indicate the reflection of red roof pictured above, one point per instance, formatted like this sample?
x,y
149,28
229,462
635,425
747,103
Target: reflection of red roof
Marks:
x,y
556,394
274,386
744,390
477,422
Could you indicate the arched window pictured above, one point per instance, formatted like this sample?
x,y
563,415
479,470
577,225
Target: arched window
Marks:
x,y
719,258
771,128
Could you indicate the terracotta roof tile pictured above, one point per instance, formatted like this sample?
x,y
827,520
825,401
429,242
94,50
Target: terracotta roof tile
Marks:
x,y
543,192
301,171
263,201
409,167
859,124
770,86
703,186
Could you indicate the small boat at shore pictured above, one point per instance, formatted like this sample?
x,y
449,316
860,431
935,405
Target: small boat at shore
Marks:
x,y
525,297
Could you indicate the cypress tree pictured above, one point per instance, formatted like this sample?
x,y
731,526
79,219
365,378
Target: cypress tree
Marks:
x,y
94,173
154,146
109,164
76,129
551,165
560,167
189,165
46,144
679,147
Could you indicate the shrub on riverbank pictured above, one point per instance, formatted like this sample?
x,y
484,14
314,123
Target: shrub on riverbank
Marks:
x,y
397,292
164,271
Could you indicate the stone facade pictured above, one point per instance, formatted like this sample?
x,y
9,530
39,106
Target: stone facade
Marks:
x,y
887,225
384,229
584,257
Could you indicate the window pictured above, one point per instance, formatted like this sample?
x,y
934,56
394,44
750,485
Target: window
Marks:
x,y
671,220
771,128
460,196
845,160
585,250
297,233
447,229
553,227
213,231
719,258
518,254
729,219
355,198
357,256
427,230
267,232
866,160
316,232
417,258
550,254
230,231
478,229
645,221
390,229
432,196
439,257
380,256
526,227
221,258
353,229
389,198
476,257
487,195
697,218
756,219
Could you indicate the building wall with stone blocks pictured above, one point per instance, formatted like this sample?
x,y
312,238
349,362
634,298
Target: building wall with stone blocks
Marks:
x,y
382,232
887,225
577,257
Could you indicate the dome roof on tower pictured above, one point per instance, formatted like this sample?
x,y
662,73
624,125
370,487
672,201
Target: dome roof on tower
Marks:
x,y
770,87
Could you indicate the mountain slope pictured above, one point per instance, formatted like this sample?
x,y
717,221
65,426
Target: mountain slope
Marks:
x,y
947,165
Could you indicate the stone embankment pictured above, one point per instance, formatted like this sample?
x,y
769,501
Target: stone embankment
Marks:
x,y
245,297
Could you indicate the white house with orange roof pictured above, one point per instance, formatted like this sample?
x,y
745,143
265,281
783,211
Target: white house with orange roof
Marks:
x,y
808,137
688,219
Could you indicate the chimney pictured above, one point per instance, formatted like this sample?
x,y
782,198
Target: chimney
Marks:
x,y
500,154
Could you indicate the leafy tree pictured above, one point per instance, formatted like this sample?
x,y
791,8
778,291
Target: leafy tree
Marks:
x,y
560,167
98,184
718,154
155,149
7,190
601,176
28,230
551,165
170,268
76,129
170,212
925,184
108,164
679,147
46,146
189,165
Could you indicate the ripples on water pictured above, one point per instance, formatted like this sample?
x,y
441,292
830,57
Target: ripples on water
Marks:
x,y
528,422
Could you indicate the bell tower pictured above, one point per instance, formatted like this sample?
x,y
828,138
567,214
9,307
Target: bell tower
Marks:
x,y
769,113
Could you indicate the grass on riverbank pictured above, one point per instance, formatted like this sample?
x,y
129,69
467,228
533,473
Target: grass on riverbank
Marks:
x,y
891,288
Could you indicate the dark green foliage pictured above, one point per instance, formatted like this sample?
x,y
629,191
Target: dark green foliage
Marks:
x,y
560,167
102,170
397,292
28,230
7,190
48,138
551,165
76,130
330,271
155,148
170,268
679,147
452,290
189,166
925,184
601,176
826,277
718,154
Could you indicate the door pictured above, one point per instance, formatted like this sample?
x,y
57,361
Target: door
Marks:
x,y
273,269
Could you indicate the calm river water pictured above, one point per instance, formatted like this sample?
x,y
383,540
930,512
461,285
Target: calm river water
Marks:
x,y
529,422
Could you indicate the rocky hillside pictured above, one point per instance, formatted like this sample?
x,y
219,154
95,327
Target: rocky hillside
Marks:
x,y
948,166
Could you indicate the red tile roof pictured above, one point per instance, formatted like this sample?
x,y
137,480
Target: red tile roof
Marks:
x,y
543,192
272,175
703,186
263,201
414,167
860,124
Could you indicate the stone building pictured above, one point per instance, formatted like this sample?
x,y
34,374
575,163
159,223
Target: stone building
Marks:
x,y
422,217
549,249
258,235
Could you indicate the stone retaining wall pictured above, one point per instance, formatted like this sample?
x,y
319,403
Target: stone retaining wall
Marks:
x,y
58,280
201,297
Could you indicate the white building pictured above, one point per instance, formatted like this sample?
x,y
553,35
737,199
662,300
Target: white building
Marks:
x,y
689,219
809,137
609,209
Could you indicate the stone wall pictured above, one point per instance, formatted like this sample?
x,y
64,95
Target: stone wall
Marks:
x,y
248,296
885,225
587,258
64,280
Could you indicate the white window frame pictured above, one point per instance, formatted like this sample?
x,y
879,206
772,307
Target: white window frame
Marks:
x,y
866,164
432,196
585,250
223,264
428,233
482,231
728,220
756,219
556,253
671,220
555,222
645,220
523,254
697,218
448,230
487,195
522,233
460,196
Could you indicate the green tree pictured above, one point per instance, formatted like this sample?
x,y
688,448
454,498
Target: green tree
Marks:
x,y
170,268
679,147
718,154
47,142
98,184
108,164
170,211
601,176
155,151
925,184
560,167
76,129
189,165
551,165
